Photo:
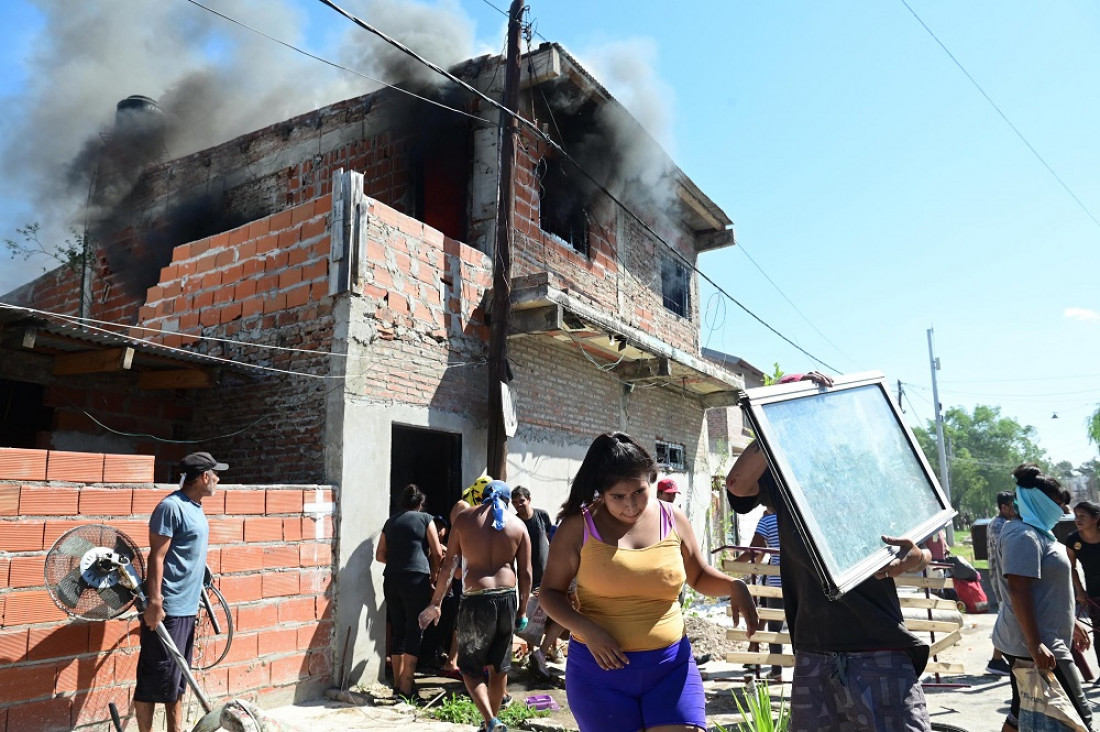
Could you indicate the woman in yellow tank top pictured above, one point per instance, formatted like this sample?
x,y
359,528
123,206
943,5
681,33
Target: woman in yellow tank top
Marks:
x,y
630,666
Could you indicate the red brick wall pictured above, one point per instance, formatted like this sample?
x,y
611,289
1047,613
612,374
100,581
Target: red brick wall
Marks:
x,y
59,673
423,295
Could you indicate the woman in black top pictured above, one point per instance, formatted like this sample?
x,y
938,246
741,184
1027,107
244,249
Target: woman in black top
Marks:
x,y
1083,546
409,547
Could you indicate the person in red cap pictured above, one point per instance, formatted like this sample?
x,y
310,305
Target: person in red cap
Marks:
x,y
667,490
178,537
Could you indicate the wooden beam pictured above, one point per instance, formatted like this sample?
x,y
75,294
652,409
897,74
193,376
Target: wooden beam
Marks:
x,y
930,626
176,379
762,659
650,368
537,320
927,603
769,613
939,646
760,636
92,362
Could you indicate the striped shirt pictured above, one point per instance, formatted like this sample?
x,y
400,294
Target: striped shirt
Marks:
x,y
768,528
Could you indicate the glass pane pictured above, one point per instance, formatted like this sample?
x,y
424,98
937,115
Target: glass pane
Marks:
x,y
852,471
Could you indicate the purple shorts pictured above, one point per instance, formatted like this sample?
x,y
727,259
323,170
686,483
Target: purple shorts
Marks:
x,y
660,687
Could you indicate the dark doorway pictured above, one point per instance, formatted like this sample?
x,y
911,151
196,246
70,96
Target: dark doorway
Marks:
x,y
22,414
432,460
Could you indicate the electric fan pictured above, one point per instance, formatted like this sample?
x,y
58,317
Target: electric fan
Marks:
x,y
94,572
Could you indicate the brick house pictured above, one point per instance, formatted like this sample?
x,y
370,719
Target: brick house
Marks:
x,y
310,300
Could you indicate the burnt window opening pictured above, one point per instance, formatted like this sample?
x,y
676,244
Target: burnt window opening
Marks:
x,y
561,205
676,286
24,417
671,456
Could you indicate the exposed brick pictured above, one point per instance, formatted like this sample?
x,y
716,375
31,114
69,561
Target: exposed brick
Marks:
x,y
106,501
82,467
276,584
58,642
92,706
252,677
79,674
110,635
243,559
320,664
254,616
50,715
313,636
263,529
315,554
20,537
226,531
54,501
31,606
239,589
292,529
9,500
27,572
297,610
20,464
298,296
215,681
283,501
27,682
278,641
280,557
13,646
245,648
244,501
146,499
128,468
55,529
289,669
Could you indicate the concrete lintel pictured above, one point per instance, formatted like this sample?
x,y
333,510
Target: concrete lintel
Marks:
x,y
537,319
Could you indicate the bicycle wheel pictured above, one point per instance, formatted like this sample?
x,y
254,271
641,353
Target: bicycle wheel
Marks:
x,y
213,630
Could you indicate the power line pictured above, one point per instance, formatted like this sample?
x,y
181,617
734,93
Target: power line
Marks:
x,y
1003,115
741,246
549,141
335,65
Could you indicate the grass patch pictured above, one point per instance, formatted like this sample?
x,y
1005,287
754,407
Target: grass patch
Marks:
x,y
461,710
966,551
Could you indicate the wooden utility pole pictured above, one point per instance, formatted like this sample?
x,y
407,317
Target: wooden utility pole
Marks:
x,y
501,308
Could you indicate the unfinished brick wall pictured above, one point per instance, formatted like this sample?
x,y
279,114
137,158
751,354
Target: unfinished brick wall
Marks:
x,y
263,284
621,274
424,295
271,549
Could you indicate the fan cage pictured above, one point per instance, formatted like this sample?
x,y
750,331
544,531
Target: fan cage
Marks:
x,y
65,577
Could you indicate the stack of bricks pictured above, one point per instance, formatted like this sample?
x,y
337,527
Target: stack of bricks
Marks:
x,y
270,548
272,264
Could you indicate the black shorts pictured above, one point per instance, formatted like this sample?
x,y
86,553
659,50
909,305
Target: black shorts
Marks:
x,y
484,631
159,678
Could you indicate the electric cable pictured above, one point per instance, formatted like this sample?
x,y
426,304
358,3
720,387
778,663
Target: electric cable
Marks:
x,y
1003,116
549,141
338,66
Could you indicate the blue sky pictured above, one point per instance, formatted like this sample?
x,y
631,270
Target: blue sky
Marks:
x,y
865,174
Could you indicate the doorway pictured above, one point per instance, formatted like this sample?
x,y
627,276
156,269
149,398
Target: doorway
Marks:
x,y
432,460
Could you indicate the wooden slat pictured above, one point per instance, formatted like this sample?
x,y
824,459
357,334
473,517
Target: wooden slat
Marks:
x,y
950,669
935,583
90,362
927,603
945,642
746,568
932,626
765,613
176,379
771,659
765,591
760,636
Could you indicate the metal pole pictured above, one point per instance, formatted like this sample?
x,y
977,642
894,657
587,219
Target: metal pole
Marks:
x,y
945,477
501,309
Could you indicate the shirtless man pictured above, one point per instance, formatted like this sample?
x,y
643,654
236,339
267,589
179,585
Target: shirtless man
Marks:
x,y
491,539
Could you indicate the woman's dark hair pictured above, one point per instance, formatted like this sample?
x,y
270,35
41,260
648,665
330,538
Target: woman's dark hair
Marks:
x,y
521,492
1092,509
1029,475
412,498
612,457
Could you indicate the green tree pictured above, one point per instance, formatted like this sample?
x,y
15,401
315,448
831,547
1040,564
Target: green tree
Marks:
x,y
774,376
983,448
1093,426
70,254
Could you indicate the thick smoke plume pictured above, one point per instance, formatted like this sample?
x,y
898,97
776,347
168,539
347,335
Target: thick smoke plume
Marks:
x,y
213,81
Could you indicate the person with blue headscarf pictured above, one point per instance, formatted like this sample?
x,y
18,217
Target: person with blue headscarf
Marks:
x,y
1036,622
497,552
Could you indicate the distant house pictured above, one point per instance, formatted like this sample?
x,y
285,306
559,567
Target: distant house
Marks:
x,y
310,301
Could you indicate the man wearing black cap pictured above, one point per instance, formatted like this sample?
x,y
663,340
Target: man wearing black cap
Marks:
x,y
178,534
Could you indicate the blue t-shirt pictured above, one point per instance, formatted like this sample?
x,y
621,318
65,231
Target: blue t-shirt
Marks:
x,y
180,518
